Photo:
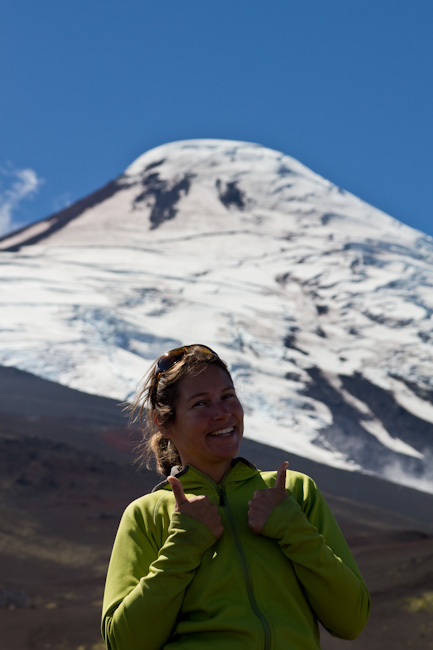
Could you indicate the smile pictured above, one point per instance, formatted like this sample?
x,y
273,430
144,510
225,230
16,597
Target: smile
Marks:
x,y
222,432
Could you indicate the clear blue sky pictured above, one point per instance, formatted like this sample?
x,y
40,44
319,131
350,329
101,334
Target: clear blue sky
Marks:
x,y
343,86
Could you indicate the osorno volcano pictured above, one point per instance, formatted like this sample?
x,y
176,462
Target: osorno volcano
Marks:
x,y
321,304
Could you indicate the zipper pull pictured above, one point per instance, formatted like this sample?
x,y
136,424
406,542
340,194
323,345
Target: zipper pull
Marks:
x,y
221,495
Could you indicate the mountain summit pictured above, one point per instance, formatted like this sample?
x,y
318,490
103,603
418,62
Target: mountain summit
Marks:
x,y
321,304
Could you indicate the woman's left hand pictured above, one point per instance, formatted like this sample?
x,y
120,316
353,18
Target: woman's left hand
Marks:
x,y
264,501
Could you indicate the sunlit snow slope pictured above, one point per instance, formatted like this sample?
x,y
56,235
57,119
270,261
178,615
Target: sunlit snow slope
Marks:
x,y
321,304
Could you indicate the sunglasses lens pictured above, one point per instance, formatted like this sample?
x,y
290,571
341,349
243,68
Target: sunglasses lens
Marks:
x,y
169,359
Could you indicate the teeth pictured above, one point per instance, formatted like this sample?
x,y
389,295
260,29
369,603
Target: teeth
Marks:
x,y
222,432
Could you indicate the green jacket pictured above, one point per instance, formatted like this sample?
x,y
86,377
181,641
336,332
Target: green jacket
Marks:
x,y
172,585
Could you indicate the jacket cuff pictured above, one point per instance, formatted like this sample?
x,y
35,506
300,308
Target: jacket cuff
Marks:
x,y
191,531
276,524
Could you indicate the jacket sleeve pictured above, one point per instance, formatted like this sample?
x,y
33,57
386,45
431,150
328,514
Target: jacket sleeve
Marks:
x,y
145,584
322,561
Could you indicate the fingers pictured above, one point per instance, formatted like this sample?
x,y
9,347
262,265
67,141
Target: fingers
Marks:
x,y
178,491
280,481
264,501
198,507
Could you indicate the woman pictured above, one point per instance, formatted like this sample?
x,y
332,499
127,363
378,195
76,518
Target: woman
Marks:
x,y
221,555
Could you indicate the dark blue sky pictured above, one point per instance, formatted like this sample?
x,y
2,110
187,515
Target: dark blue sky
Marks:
x,y
343,86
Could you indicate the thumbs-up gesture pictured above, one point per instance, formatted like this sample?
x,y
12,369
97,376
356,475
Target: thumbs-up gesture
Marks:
x,y
199,507
264,501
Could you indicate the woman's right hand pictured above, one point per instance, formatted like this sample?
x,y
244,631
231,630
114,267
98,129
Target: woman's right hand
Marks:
x,y
199,507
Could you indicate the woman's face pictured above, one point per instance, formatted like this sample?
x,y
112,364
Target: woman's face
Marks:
x,y
208,425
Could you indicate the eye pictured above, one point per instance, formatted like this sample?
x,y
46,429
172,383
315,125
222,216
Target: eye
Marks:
x,y
229,394
200,402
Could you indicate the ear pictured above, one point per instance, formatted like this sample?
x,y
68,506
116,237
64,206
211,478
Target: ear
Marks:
x,y
164,431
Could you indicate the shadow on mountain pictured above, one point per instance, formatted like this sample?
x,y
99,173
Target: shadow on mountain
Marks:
x,y
349,434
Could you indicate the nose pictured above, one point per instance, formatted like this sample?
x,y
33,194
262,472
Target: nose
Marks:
x,y
219,411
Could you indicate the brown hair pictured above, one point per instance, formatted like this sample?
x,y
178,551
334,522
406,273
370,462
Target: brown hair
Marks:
x,y
155,401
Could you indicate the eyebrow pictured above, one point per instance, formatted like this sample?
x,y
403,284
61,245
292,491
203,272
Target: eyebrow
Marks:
x,y
203,393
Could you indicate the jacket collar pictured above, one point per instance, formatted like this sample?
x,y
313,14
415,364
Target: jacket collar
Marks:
x,y
240,470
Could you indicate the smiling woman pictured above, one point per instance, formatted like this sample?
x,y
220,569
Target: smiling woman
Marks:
x,y
221,554
187,388
208,428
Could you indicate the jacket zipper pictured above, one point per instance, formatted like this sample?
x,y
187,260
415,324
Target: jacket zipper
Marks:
x,y
223,501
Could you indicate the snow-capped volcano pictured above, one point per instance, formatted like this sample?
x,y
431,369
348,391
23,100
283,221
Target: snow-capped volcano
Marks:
x,y
321,304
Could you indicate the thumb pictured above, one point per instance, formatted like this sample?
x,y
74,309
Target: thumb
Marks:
x,y
178,491
280,481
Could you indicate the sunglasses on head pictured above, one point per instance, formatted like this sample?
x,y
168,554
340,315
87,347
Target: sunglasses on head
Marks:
x,y
169,359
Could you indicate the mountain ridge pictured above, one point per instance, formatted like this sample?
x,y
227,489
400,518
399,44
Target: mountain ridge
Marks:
x,y
320,303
